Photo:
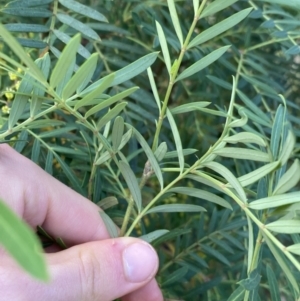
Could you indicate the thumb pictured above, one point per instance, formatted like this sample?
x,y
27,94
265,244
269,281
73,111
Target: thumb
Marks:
x,y
102,270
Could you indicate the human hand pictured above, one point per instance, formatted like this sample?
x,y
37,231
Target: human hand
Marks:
x,y
95,267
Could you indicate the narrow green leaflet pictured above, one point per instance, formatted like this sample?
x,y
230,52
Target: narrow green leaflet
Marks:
x,y
294,249
245,137
219,28
175,20
83,74
176,139
65,39
239,122
106,155
117,133
189,107
21,243
275,201
242,153
291,3
176,208
107,80
20,100
164,46
70,175
220,82
150,155
196,6
252,281
287,148
36,149
129,71
149,237
257,174
284,226
186,152
83,10
20,52
250,245
216,6
28,12
65,60
154,88
23,27
132,184
108,202
206,180
49,163
44,64
228,175
273,284
238,294
251,105
277,131
213,252
201,194
27,3
204,62
112,229
161,151
286,269
79,26
289,179
111,114
174,277
110,101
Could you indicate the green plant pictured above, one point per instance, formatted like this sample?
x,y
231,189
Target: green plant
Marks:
x,y
115,152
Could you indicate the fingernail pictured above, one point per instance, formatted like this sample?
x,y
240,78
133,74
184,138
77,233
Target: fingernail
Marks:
x,y
140,262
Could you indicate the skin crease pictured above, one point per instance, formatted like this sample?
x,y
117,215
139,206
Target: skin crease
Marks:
x,y
92,267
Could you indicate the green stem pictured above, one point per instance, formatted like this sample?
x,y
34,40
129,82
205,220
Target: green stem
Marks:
x,y
53,19
173,75
26,122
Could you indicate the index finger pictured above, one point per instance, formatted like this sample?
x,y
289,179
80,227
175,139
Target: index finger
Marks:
x,y
40,199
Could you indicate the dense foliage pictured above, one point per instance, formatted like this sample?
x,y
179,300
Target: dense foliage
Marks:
x,y
179,118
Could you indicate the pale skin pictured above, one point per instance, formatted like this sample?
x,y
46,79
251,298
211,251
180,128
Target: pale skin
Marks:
x,y
94,267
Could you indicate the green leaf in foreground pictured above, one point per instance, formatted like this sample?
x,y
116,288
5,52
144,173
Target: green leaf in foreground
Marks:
x,y
201,64
216,6
219,28
175,20
252,281
149,237
64,61
83,10
281,262
242,153
21,243
20,52
228,175
110,225
289,179
132,183
201,194
176,208
274,286
275,201
237,295
129,71
257,174
284,226
176,139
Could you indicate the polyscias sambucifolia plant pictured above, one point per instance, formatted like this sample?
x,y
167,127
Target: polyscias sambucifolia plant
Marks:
x,y
206,123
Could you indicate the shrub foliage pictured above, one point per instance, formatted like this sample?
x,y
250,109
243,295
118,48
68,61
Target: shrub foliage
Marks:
x,y
179,119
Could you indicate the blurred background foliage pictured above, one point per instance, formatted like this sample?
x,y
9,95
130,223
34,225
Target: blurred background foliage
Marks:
x,y
204,256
